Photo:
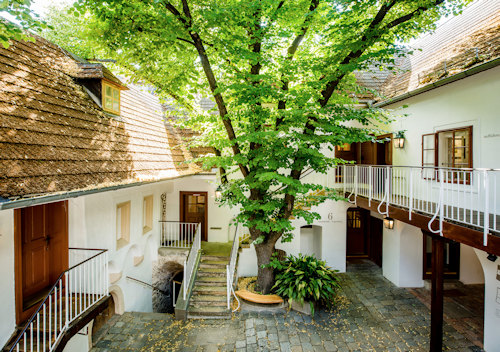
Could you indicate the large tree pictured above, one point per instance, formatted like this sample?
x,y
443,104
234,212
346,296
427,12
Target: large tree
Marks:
x,y
281,74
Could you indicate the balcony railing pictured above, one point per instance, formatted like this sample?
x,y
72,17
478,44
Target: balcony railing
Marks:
x,y
76,291
465,196
176,234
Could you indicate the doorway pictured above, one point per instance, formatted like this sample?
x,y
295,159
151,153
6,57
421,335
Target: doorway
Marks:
x,y
193,208
364,235
41,253
451,259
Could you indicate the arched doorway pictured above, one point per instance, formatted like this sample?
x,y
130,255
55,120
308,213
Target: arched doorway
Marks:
x,y
166,286
311,240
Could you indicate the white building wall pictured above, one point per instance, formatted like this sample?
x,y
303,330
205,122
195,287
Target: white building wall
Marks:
x,y
471,271
402,255
467,102
7,292
491,302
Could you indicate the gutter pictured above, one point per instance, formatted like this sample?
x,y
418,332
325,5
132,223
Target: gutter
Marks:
x,y
472,71
27,202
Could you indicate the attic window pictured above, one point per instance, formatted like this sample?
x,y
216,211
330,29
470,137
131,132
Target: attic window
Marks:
x,y
110,98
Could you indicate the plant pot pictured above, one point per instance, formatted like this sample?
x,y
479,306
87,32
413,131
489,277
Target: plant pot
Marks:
x,y
303,308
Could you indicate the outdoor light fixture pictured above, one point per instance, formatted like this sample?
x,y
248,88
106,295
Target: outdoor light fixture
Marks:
x,y
491,257
399,140
218,192
389,223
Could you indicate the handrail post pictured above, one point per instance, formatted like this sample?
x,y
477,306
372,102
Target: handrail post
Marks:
x,y
370,184
344,176
66,296
228,288
355,183
387,183
184,293
410,205
486,208
441,201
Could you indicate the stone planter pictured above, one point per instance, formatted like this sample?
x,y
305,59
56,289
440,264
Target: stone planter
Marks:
x,y
303,308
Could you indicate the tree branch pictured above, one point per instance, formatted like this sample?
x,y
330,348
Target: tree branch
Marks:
x,y
207,68
292,49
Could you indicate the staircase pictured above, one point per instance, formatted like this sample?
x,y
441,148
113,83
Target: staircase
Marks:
x,y
209,297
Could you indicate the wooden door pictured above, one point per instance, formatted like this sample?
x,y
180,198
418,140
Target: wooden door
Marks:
x,y
451,258
375,240
356,232
194,209
41,247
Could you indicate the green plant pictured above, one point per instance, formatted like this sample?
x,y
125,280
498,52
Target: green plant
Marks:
x,y
245,239
305,278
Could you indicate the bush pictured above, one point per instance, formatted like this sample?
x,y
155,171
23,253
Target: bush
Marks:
x,y
305,278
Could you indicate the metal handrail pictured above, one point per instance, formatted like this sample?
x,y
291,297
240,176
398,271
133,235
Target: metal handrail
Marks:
x,y
231,267
48,295
190,261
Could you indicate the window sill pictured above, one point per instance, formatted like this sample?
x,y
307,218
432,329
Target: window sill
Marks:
x,y
121,243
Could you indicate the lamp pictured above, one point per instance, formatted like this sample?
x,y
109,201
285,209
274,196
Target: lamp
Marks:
x,y
389,223
218,193
491,257
399,140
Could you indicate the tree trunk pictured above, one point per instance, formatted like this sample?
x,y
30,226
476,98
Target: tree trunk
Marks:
x,y
265,277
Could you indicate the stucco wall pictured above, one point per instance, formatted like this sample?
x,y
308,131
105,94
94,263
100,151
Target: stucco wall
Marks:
x,y
7,291
471,271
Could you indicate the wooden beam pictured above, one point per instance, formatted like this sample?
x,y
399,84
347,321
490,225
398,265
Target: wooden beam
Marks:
x,y
455,232
436,343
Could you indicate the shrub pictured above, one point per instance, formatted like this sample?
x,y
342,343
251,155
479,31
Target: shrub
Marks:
x,y
305,278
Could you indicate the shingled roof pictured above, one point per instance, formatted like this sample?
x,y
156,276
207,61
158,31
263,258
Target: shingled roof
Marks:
x,y
462,42
54,137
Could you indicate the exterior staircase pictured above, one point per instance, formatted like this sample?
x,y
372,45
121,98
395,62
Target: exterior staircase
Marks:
x,y
209,297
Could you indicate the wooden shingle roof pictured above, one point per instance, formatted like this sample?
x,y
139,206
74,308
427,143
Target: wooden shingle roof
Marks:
x,y
54,137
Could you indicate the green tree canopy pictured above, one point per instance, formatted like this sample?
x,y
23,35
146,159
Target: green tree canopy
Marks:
x,y
281,73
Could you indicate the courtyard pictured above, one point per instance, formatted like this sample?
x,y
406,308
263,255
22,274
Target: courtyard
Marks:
x,y
371,315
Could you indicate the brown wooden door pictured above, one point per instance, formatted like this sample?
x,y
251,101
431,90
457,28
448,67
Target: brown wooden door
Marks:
x,y
375,240
41,253
356,232
194,209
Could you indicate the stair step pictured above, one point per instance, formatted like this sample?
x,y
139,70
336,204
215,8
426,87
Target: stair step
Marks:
x,y
208,311
211,283
214,257
212,265
210,290
208,298
212,279
198,304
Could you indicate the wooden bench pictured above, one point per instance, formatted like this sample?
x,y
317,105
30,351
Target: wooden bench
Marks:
x,y
256,298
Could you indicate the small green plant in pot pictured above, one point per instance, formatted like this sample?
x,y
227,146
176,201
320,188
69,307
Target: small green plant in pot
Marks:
x,y
305,279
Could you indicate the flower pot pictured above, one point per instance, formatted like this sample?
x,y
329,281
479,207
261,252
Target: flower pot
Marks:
x,y
303,308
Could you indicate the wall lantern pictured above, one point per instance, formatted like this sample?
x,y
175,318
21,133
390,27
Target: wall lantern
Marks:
x,y
218,193
389,223
399,140
491,257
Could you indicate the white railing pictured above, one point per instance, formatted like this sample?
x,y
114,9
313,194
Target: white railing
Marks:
x,y
191,261
466,196
177,234
78,289
230,268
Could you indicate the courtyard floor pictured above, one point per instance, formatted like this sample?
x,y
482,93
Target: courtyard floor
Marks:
x,y
372,315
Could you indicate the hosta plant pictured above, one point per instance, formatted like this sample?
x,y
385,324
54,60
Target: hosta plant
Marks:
x,y
305,278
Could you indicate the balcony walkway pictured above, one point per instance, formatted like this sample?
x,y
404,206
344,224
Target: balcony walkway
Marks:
x,y
374,316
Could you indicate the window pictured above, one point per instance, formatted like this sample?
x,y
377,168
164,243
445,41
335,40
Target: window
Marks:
x,y
346,147
147,214
110,98
449,148
354,219
122,224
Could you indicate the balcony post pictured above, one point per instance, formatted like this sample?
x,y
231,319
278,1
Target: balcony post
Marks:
x,y
486,224
370,184
436,343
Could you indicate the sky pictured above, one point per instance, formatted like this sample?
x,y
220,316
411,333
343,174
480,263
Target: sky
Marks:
x,y
41,6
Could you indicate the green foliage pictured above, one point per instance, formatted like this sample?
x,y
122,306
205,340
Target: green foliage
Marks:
x,y
17,19
305,278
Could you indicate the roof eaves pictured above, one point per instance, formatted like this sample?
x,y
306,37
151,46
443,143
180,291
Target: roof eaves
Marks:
x,y
471,71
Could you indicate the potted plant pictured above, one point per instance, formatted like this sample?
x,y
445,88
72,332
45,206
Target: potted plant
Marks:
x,y
306,281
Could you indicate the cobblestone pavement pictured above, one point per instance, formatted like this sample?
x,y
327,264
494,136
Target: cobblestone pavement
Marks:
x,y
372,315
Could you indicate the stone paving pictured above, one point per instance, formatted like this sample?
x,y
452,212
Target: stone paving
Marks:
x,y
372,315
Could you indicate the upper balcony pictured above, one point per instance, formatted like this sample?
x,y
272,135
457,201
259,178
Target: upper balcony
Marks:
x,y
467,197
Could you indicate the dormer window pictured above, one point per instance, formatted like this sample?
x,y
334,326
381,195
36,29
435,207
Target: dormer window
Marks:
x,y
110,98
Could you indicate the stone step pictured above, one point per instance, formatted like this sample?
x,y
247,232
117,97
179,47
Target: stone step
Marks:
x,y
215,262
211,283
195,298
210,290
214,257
211,272
197,304
209,265
208,312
